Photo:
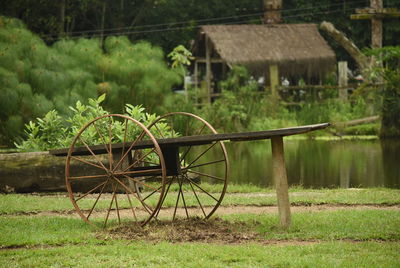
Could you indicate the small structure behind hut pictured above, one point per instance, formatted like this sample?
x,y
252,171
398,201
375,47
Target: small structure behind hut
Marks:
x,y
271,51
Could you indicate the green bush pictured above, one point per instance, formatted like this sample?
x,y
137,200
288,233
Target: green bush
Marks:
x,y
53,131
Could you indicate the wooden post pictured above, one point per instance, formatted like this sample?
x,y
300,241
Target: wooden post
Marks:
x,y
280,179
375,13
208,67
274,79
342,71
272,11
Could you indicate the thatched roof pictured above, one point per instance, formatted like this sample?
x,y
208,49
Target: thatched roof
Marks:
x,y
298,49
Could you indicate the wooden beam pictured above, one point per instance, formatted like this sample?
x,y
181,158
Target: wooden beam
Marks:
x,y
280,180
374,16
196,140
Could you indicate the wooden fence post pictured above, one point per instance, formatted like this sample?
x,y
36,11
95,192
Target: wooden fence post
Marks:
x,y
280,179
342,70
274,79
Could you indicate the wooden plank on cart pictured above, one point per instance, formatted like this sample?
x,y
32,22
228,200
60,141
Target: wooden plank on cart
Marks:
x,y
199,139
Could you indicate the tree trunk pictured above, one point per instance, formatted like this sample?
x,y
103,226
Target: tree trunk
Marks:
x,y
349,46
62,19
37,172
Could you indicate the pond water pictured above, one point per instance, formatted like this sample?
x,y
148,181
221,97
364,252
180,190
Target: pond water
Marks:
x,y
319,163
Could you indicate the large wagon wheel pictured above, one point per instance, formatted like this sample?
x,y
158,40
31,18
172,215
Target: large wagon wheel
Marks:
x,y
100,176
199,185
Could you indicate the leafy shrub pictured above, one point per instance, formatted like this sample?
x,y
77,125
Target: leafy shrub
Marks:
x,y
53,131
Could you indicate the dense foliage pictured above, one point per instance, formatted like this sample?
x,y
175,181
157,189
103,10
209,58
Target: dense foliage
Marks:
x,y
390,72
36,78
168,23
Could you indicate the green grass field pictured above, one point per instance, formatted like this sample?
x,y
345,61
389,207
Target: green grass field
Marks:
x,y
344,236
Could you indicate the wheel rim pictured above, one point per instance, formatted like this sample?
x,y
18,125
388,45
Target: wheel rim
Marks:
x,y
201,185
102,184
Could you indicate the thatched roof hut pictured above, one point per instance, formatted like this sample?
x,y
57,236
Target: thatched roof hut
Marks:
x,y
297,49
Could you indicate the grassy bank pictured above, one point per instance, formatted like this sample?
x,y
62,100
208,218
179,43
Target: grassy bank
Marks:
x,y
348,236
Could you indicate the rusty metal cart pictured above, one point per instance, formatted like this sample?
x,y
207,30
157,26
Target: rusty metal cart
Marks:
x,y
175,167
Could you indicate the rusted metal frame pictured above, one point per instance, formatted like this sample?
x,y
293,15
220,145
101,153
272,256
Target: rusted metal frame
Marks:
x,y
183,198
116,204
154,191
101,136
198,200
125,133
198,157
198,186
130,148
177,200
110,154
109,208
130,204
93,154
165,195
140,182
90,191
205,164
87,177
86,162
95,203
206,175
148,209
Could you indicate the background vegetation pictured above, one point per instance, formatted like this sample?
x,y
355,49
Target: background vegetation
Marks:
x,y
75,50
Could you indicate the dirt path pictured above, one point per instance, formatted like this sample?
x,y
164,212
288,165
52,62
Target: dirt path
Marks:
x,y
222,210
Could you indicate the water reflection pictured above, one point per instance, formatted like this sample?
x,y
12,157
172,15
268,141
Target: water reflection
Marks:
x,y
318,163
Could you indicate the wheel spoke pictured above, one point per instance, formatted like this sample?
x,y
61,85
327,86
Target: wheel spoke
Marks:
x,y
205,151
125,133
97,199
205,164
201,130
116,205
88,177
110,154
86,162
198,186
177,200
127,188
92,153
101,136
165,195
159,131
183,199
109,208
142,183
90,191
130,204
141,172
185,154
206,175
140,159
198,200
130,148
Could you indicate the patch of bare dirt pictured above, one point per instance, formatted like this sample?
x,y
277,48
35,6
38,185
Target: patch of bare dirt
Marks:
x,y
215,230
